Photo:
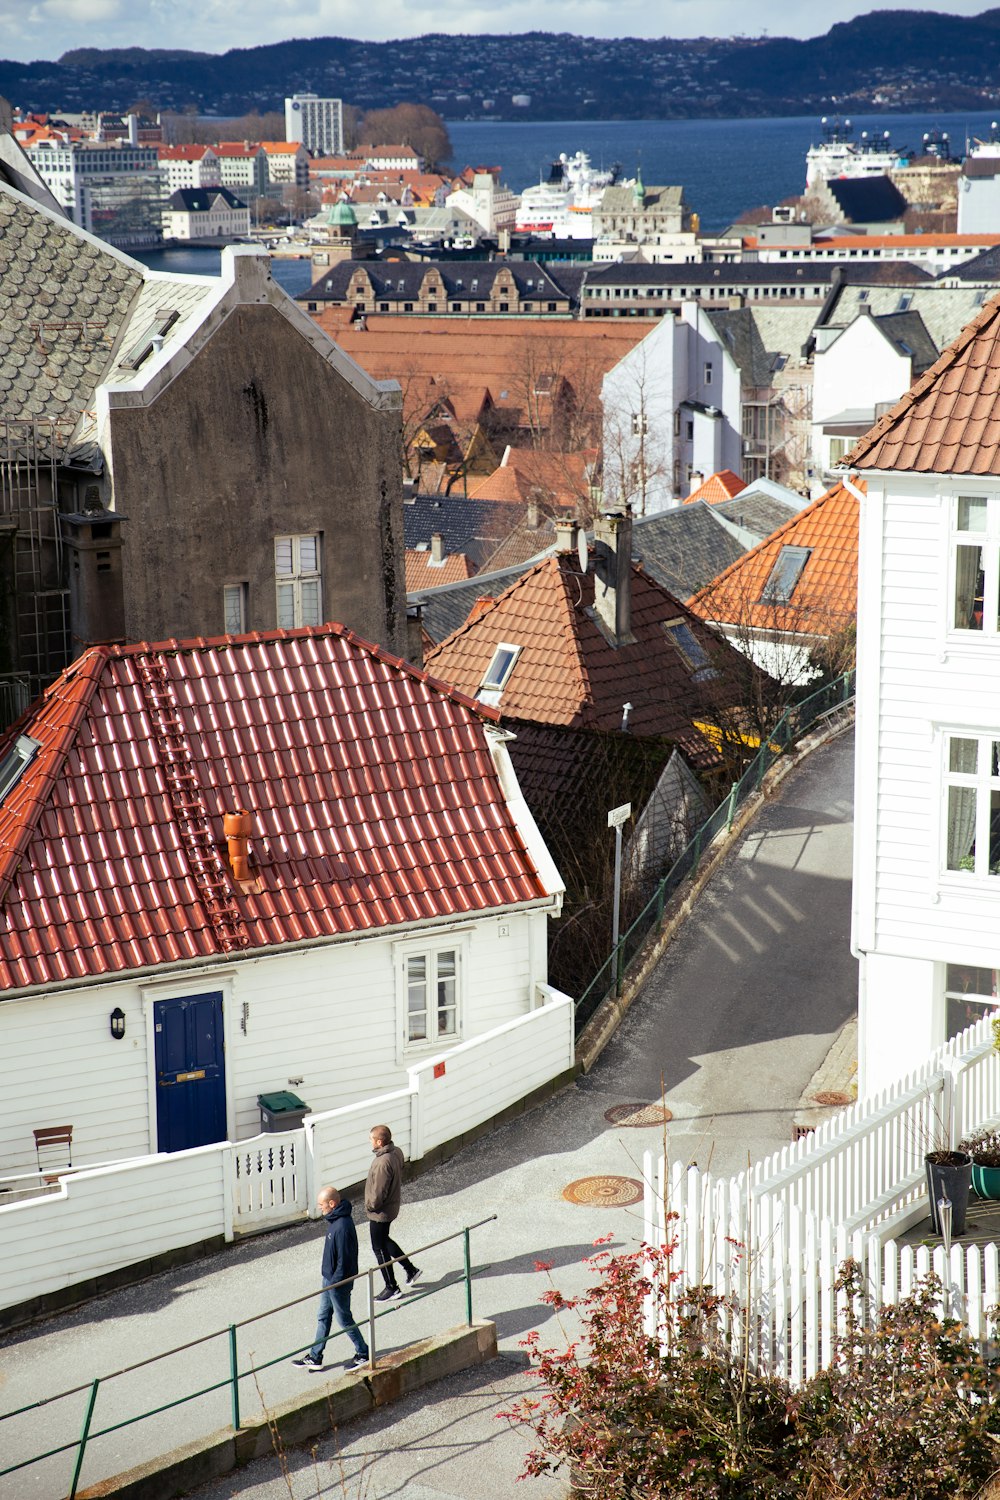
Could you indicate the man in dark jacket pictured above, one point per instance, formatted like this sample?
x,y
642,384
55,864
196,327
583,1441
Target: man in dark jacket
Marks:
x,y
340,1260
383,1190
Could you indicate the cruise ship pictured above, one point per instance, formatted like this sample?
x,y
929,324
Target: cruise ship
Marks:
x,y
563,206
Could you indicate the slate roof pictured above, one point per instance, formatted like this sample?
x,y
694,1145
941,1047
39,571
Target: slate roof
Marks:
x,y
944,309
402,281
374,801
202,200
826,594
760,514
568,673
907,332
685,547
63,301
982,267
475,528
739,334
867,200
621,200
948,422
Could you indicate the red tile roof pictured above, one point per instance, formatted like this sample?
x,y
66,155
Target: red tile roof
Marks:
x,y
559,479
568,673
373,796
423,572
948,422
725,485
826,596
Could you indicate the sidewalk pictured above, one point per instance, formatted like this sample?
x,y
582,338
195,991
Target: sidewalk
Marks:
x,y
735,1021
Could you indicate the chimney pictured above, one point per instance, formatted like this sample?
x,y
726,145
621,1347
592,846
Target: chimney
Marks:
x,y
613,575
236,828
437,548
565,534
697,480
133,129
533,515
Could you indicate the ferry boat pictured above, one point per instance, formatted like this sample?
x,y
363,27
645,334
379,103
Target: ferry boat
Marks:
x,y
563,206
838,155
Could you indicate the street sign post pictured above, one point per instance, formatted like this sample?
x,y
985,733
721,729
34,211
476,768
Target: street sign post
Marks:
x,y
617,817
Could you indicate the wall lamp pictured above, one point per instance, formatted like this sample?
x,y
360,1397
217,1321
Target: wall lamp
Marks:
x,y
118,1023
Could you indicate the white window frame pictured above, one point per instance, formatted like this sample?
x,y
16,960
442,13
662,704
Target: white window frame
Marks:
x,y
296,578
989,541
430,950
954,996
493,682
983,783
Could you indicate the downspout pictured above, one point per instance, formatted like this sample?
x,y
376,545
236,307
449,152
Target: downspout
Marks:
x,y
851,487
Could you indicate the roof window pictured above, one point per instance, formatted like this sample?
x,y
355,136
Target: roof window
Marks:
x,y
904,302
498,672
691,649
16,762
785,575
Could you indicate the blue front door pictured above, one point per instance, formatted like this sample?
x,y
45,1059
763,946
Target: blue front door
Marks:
x,y
190,1072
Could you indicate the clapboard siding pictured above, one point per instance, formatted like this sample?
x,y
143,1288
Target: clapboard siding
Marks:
x,y
49,1243
329,1015
342,1150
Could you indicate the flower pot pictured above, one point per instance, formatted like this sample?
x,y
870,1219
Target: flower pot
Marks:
x,y
949,1175
986,1182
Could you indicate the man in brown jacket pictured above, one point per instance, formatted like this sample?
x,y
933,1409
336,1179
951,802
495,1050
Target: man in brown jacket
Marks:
x,y
383,1189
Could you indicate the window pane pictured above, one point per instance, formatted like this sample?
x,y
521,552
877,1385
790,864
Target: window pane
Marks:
x,y
286,606
963,755
308,555
966,979
971,514
310,602
966,1012
283,555
416,998
446,996
994,868
235,621
968,588
961,828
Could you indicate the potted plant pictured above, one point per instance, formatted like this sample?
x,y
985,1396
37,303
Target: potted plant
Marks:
x,y
984,1148
949,1175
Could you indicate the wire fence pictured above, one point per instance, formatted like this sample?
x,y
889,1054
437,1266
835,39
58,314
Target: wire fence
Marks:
x,y
611,976
233,1375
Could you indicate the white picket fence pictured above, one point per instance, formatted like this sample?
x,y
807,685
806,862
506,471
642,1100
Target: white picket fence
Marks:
x,y
772,1239
96,1220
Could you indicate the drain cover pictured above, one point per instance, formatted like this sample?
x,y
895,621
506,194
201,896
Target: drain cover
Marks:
x,y
604,1192
831,1096
637,1114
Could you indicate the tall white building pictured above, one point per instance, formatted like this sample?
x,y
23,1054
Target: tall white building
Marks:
x,y
112,188
317,123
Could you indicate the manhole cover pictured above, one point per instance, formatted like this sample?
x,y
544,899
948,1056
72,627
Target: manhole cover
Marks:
x,y
637,1114
831,1096
604,1192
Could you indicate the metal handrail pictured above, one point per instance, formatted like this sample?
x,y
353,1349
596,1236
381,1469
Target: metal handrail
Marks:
x,y
88,1434
789,728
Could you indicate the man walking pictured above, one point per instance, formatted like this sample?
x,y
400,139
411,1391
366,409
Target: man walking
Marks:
x,y
340,1260
383,1189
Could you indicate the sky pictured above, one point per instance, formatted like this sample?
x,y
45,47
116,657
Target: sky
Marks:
x,y
44,29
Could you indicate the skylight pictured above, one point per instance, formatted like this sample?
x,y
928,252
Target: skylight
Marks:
x,y
785,575
500,667
16,761
691,649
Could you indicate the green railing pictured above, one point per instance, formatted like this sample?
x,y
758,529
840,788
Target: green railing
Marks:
x,y
231,1380
791,727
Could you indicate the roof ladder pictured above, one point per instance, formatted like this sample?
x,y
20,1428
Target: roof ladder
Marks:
x,y
205,862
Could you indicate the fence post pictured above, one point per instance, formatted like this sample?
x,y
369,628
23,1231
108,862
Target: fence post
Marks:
x,y
92,1399
697,853
468,1276
660,897
371,1320
951,1111
760,766
619,967
731,810
234,1377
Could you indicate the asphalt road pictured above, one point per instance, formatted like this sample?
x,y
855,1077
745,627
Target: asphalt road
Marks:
x,y
732,1024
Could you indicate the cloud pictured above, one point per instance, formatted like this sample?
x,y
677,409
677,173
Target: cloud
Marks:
x,y
218,25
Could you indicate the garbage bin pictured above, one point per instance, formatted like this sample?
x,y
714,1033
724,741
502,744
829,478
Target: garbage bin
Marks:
x,y
281,1111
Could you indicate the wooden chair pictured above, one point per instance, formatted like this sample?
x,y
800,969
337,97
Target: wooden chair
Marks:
x,y
53,1148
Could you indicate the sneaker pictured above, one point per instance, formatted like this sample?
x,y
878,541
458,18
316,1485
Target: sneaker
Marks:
x,y
413,1275
387,1294
307,1362
358,1362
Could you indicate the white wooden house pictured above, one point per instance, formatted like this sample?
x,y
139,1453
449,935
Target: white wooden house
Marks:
x,y
384,901
926,922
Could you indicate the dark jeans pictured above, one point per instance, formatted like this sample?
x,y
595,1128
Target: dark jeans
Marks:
x,y
387,1249
335,1302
